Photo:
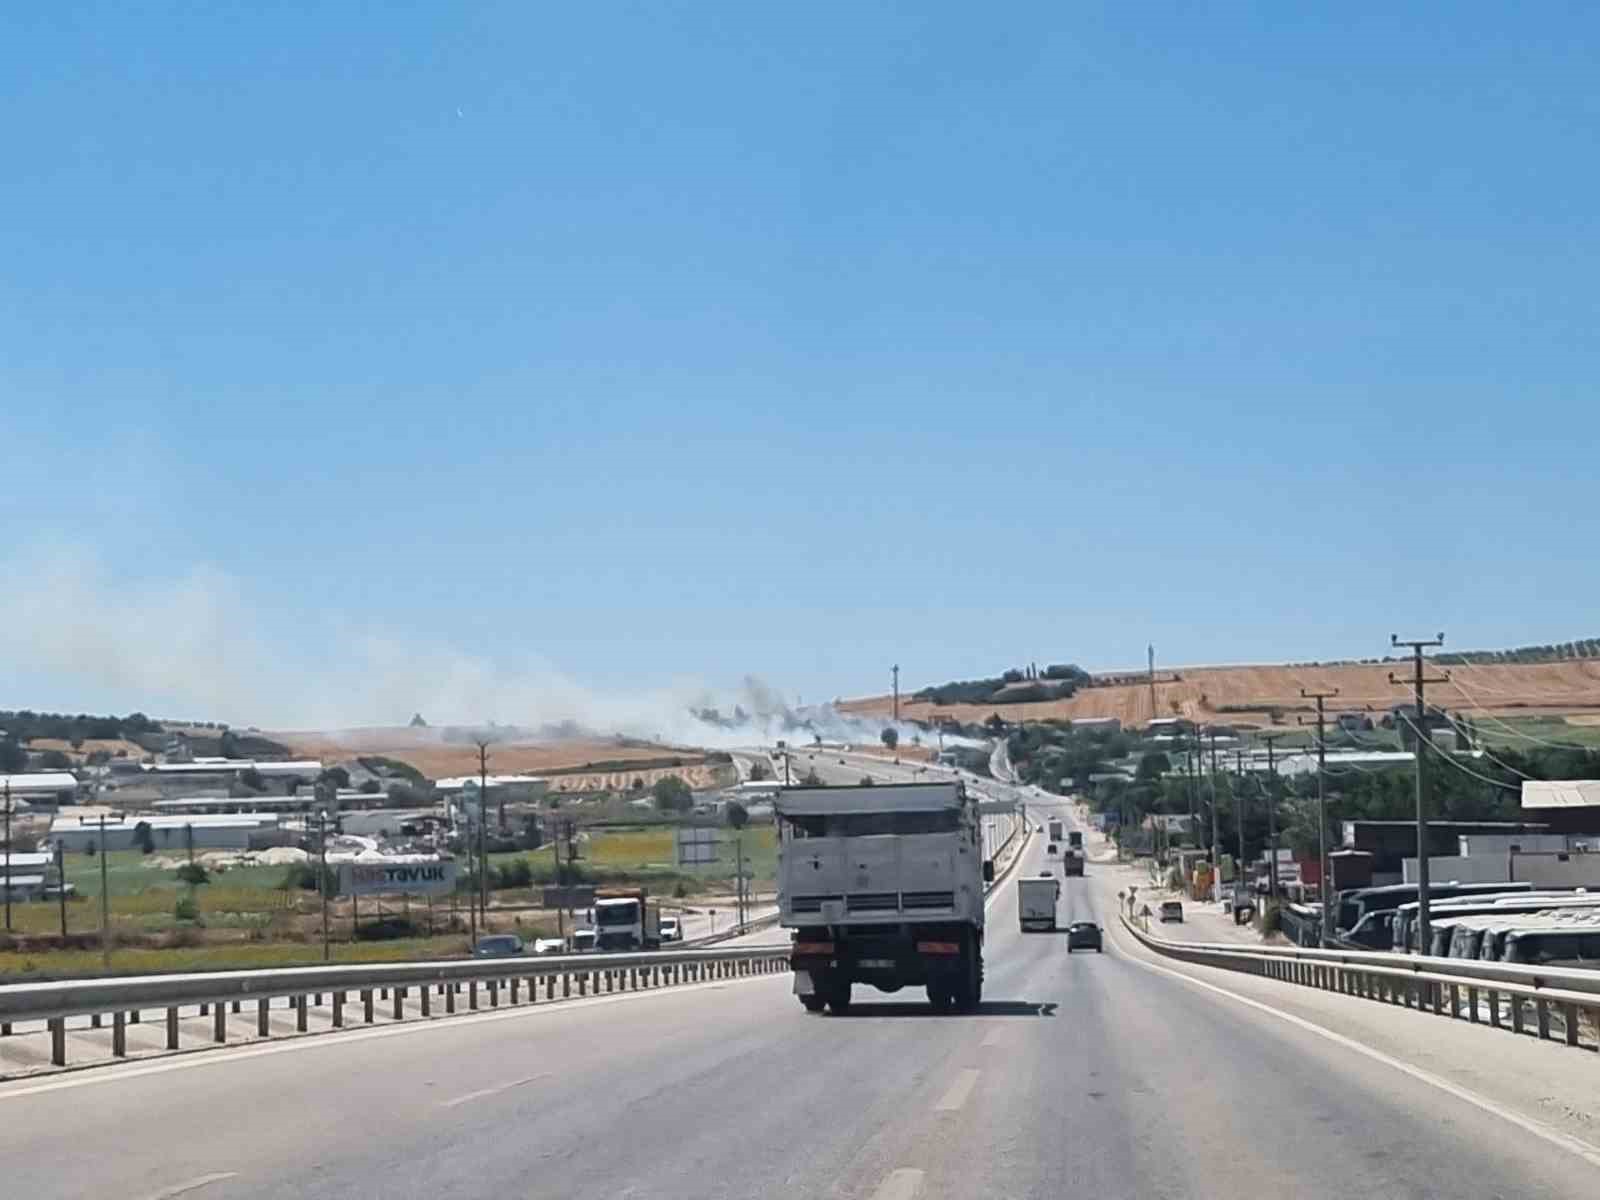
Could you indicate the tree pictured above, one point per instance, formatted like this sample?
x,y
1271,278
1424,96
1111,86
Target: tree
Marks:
x,y
144,838
738,815
890,737
371,787
996,724
13,758
812,779
672,794
759,770
1154,765
55,760
338,776
193,874
864,781
253,779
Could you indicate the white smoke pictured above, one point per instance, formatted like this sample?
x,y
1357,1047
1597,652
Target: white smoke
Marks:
x,y
192,646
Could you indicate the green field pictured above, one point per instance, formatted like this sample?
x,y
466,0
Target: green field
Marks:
x,y
1525,733
49,964
246,919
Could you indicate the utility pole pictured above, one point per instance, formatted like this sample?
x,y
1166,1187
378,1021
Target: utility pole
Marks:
x,y
738,844
1238,809
896,670
1216,837
8,854
105,902
61,886
483,819
1323,888
1272,812
1420,729
1150,658
322,877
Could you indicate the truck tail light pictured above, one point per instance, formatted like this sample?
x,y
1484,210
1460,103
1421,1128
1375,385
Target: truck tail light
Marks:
x,y
804,948
938,947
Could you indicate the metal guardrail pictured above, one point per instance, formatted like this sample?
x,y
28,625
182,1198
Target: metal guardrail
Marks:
x,y
1537,1001
300,988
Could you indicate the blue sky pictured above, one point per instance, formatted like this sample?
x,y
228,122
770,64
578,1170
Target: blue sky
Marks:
x,y
657,345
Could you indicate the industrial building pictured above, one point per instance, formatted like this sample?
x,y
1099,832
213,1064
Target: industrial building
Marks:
x,y
41,788
76,834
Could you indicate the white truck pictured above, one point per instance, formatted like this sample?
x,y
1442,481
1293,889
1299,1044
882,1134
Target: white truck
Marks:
x,y
1055,829
625,919
1036,903
883,885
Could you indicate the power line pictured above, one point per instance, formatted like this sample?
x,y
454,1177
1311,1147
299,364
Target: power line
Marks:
x,y
1517,733
1468,770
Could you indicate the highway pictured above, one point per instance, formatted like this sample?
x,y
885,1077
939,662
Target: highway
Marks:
x,y
1109,1075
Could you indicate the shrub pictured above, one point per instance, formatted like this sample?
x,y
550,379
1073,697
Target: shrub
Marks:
x,y
387,928
738,815
186,908
193,874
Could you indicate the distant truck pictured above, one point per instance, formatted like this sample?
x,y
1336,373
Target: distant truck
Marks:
x,y
626,919
1072,861
883,885
1055,829
1036,903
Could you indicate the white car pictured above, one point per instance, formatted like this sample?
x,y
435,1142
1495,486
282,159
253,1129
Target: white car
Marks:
x,y
671,931
550,945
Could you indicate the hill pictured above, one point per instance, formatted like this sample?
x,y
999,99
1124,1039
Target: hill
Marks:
x,y
1252,694
577,764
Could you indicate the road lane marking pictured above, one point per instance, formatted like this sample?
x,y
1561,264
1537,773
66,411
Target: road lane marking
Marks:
x,y
1584,1150
903,1184
959,1091
495,1090
997,1037
91,1075
189,1185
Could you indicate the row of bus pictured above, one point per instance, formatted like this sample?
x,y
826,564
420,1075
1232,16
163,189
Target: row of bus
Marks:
x,y
1492,922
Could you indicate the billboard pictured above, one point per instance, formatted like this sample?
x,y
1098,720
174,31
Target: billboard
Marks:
x,y
696,844
412,878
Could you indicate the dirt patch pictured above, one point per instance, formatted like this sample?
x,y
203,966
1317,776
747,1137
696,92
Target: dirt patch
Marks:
x,y
437,758
1248,694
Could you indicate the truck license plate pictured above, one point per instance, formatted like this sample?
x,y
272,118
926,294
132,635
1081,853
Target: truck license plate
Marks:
x,y
877,964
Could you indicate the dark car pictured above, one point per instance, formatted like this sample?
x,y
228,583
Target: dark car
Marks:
x,y
1084,935
499,945
1172,910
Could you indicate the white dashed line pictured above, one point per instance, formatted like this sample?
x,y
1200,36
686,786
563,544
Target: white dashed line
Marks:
x,y
189,1185
997,1037
493,1091
959,1091
904,1184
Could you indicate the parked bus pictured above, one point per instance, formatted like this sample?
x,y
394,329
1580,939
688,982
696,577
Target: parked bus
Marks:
x,y
1574,946
1357,905
1403,928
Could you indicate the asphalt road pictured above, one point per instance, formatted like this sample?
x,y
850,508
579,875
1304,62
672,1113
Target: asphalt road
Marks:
x,y
1083,1074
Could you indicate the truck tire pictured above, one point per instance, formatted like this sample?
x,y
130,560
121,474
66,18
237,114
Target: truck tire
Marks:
x,y
839,997
968,990
940,996
814,1004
